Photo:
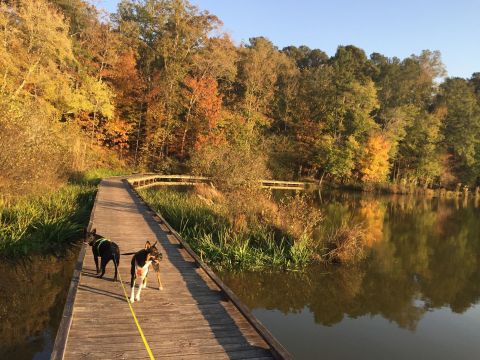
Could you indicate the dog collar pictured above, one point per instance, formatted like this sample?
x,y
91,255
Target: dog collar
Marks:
x,y
99,242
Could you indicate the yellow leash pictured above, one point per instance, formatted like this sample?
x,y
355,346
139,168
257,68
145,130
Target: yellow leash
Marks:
x,y
135,318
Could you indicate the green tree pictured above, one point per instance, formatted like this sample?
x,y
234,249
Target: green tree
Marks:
x,y
461,128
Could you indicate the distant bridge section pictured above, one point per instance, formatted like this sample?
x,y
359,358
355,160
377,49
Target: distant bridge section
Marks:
x,y
179,180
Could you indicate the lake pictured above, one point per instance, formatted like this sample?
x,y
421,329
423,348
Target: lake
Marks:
x,y
415,295
32,297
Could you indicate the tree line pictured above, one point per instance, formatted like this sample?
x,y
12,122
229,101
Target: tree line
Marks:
x,y
159,83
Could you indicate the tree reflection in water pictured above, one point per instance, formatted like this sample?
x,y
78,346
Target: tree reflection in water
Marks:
x,y
423,254
32,296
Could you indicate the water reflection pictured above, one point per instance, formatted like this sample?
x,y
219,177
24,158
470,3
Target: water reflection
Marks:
x,y
32,295
423,258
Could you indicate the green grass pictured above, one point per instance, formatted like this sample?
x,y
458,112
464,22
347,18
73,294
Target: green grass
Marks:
x,y
94,176
49,222
213,237
45,223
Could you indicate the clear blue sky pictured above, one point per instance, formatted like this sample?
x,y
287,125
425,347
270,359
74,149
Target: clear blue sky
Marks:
x,y
393,28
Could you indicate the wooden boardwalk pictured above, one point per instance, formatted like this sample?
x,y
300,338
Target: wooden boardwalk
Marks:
x,y
150,180
192,318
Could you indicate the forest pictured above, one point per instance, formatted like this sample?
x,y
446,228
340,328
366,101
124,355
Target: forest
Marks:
x,y
160,86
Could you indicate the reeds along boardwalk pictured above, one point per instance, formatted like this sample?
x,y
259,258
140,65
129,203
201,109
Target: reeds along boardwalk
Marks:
x,y
195,317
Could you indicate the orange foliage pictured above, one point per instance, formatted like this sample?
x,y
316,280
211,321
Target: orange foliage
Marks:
x,y
207,101
115,133
206,106
125,79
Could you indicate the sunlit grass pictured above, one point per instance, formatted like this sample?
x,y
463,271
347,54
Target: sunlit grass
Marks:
x,y
47,223
218,243
44,223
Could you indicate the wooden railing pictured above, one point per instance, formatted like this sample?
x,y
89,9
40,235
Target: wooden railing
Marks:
x,y
287,185
180,180
166,180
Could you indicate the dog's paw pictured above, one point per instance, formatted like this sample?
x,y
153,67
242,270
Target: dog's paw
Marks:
x,y
137,298
160,288
132,300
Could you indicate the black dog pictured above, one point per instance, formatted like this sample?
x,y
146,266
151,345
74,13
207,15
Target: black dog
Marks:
x,y
104,248
141,262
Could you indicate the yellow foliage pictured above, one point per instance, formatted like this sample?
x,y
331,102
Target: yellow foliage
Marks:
x,y
373,214
35,47
374,165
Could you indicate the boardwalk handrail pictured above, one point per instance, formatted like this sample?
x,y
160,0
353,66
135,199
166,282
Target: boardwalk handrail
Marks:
x,y
60,344
278,350
172,180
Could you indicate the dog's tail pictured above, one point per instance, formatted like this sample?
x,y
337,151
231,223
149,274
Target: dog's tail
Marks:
x,y
130,253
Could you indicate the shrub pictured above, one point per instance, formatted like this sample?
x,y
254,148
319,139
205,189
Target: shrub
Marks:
x,y
345,243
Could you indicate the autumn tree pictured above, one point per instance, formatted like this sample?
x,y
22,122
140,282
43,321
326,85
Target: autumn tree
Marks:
x,y
35,57
213,70
98,53
406,90
169,33
374,165
259,68
335,109
203,112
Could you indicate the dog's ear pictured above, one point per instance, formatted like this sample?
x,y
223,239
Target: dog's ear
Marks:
x,y
94,231
147,245
155,243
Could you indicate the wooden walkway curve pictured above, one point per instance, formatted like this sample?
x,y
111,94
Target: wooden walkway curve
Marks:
x,y
192,318
149,180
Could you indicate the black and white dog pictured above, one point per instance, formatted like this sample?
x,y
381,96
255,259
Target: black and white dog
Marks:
x,y
141,262
105,249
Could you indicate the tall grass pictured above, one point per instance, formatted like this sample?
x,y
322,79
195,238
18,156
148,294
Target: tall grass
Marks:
x,y
217,241
46,223
345,243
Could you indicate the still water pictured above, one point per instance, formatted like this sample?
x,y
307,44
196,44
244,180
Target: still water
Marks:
x,y
416,294
32,297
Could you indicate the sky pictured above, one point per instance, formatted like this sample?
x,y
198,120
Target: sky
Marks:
x,y
391,27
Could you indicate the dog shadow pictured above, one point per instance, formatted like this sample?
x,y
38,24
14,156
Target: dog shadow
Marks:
x,y
102,292
95,275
